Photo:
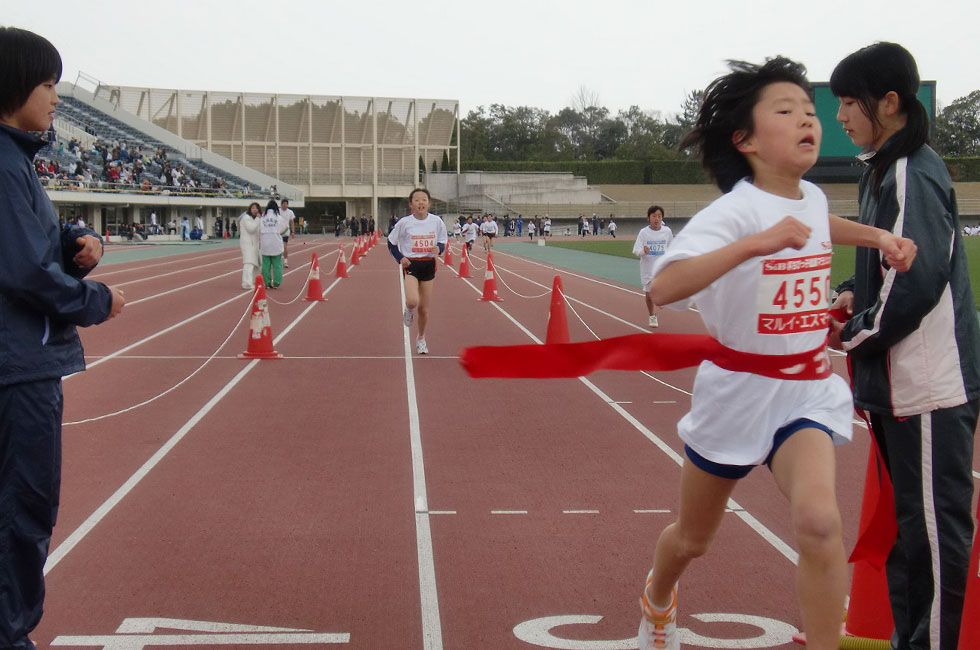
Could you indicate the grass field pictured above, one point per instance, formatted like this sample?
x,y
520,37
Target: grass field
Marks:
x,y
841,269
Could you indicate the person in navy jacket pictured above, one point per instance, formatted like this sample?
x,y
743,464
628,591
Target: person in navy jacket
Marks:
x,y
43,298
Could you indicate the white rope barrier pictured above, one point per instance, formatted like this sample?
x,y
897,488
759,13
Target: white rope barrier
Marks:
x,y
519,295
178,384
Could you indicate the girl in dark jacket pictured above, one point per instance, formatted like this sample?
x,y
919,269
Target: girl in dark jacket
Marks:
x,y
42,299
913,343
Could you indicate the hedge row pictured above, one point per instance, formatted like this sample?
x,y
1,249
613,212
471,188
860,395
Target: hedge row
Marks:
x,y
964,169
605,172
656,172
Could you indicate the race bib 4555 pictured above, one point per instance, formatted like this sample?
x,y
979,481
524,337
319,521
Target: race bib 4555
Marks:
x,y
794,295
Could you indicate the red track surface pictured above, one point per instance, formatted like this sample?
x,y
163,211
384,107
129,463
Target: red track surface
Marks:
x,y
356,490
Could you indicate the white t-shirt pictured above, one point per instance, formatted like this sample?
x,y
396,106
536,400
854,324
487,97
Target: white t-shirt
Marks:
x,y
416,237
775,304
656,242
489,227
612,226
289,215
530,227
469,231
271,226
547,225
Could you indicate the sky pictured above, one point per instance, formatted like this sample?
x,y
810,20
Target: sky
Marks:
x,y
538,53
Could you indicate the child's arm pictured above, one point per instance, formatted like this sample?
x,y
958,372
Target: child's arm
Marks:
x,y
684,278
898,252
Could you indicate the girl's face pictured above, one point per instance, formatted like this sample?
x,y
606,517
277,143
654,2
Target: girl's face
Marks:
x,y
655,219
37,113
420,204
787,132
858,126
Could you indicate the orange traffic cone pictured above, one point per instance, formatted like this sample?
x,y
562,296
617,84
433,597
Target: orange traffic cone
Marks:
x,y
448,257
260,328
355,254
490,282
869,613
314,291
341,265
107,235
557,322
464,264
969,627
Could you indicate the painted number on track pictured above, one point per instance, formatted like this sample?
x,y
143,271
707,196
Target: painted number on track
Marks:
x,y
774,633
138,633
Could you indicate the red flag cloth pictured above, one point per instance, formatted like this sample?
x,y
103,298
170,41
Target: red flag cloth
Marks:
x,y
970,626
878,527
636,352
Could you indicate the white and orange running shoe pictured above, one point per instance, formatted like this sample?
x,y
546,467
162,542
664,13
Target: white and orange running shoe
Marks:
x,y
658,628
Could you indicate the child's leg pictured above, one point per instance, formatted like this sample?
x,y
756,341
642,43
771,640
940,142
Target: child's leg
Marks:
x,y
804,471
411,292
276,270
425,296
650,306
266,267
703,501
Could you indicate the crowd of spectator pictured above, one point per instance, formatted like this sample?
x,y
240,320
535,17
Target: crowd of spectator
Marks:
x,y
125,167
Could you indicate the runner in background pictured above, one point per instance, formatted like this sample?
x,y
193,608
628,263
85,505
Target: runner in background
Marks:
x,y
757,264
414,242
651,243
489,230
290,218
469,233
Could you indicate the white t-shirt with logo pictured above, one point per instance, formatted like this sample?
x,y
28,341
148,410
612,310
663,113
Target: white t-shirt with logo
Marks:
x,y
416,237
271,226
776,304
656,242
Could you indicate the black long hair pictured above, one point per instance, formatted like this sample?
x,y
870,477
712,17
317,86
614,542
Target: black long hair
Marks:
x,y
727,108
272,205
26,61
868,75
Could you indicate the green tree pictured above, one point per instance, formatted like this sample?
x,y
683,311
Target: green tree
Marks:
x,y
957,131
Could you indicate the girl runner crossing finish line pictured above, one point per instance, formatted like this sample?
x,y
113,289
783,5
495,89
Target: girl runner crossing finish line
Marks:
x,y
757,264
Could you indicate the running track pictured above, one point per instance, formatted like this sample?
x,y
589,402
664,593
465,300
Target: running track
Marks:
x,y
356,495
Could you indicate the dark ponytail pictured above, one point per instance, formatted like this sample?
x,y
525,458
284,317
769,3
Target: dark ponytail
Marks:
x,y
868,75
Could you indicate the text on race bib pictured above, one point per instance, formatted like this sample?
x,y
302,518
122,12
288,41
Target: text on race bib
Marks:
x,y
657,247
423,243
794,295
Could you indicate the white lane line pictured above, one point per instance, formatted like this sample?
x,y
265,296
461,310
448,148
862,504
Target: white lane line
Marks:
x,y
579,512
508,512
431,621
604,313
164,275
100,513
635,292
774,540
657,511
442,512
167,261
206,280
149,338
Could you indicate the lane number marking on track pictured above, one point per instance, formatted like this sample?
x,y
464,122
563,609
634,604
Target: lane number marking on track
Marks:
x,y
774,633
138,633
